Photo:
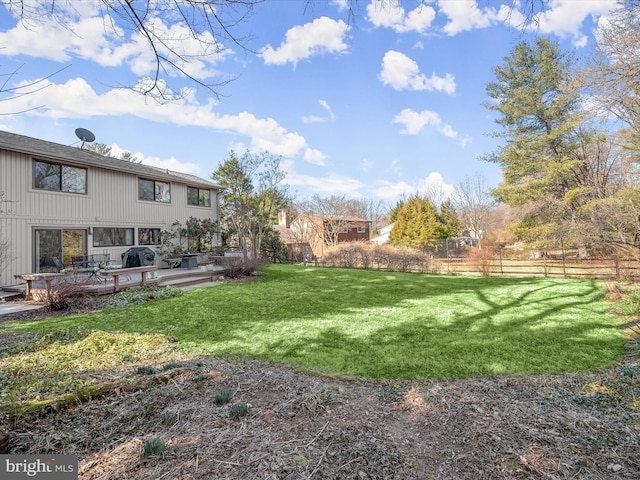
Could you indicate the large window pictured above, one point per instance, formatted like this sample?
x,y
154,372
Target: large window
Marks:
x,y
154,191
110,237
198,196
59,178
148,236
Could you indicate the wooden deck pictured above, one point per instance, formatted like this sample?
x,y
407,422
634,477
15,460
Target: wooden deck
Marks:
x,y
104,284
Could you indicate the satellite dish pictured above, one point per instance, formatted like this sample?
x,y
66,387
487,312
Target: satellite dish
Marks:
x,y
85,135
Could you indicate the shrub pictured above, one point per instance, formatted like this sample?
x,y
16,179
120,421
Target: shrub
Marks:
x,y
242,268
58,296
480,259
383,257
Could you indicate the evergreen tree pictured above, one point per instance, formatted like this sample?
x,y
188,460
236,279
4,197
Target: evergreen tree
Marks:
x,y
449,219
416,223
539,113
393,215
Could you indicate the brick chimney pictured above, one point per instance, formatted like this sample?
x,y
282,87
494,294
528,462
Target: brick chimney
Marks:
x,y
283,219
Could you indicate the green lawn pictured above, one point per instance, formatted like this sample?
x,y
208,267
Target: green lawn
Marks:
x,y
380,324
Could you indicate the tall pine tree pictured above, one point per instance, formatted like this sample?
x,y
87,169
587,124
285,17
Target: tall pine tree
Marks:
x,y
540,117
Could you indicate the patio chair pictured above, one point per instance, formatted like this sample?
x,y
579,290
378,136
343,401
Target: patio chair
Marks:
x,y
59,265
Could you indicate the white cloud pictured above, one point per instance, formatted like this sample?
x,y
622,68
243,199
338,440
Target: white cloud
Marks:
x,y
565,17
342,5
414,122
313,119
332,184
48,39
562,17
395,167
314,156
466,140
365,165
98,39
402,73
326,106
433,185
170,163
71,100
465,15
387,190
317,118
195,56
392,15
323,35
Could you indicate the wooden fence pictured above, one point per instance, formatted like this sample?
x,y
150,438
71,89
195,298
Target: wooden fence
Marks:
x,y
601,269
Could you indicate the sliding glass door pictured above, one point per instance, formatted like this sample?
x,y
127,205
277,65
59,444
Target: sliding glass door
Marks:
x,y
61,243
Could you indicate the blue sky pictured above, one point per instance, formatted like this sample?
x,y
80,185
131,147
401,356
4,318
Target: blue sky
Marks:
x,y
386,105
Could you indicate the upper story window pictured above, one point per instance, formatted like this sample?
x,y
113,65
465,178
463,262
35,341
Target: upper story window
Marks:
x,y
154,191
198,196
59,178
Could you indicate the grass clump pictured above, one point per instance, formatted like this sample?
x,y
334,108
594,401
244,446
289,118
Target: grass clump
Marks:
x,y
630,303
145,370
170,366
170,417
222,397
200,378
154,446
238,410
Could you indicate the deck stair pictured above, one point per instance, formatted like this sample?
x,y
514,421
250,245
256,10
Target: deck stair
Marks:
x,y
7,296
188,277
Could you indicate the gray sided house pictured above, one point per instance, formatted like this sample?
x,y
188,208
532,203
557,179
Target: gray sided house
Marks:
x,y
62,201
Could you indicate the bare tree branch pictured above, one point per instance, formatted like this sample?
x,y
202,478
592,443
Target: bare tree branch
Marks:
x,y
209,22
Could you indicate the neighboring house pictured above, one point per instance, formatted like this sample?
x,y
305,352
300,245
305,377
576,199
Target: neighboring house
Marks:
x,y
310,235
383,237
298,246
59,201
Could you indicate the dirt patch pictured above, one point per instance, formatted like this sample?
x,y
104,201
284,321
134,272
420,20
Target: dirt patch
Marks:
x,y
303,425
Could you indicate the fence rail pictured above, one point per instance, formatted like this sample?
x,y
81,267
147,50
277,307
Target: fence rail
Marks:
x,y
601,269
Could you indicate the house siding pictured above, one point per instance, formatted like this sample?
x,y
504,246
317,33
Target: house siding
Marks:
x,y
111,201
309,228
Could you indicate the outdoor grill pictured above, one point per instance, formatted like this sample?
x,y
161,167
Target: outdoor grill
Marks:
x,y
138,257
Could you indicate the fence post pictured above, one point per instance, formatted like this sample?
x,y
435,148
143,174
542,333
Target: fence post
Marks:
x,y
564,268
